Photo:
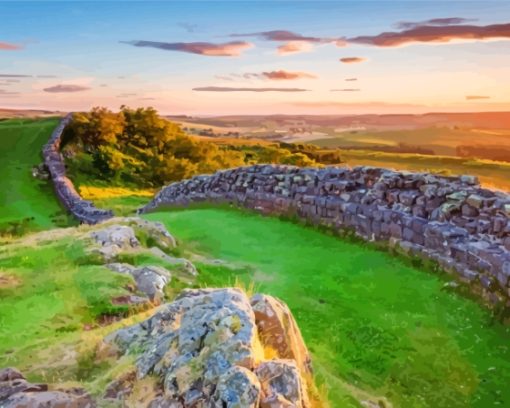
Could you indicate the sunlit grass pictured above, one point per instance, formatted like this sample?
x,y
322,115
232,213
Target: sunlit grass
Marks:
x,y
376,325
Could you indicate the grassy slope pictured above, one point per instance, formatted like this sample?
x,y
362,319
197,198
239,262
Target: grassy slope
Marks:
x,y
370,320
23,196
49,292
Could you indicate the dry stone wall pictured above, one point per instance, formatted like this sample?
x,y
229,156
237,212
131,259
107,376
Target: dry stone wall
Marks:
x,y
451,220
83,210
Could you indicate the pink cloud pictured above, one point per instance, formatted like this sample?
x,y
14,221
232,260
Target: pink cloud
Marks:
x,y
294,47
352,60
9,46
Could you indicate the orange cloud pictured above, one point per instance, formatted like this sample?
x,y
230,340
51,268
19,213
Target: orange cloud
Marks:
x,y
294,47
475,97
436,34
352,60
346,90
230,49
246,89
9,46
66,88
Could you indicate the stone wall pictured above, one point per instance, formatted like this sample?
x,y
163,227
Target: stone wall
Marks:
x,y
83,210
451,220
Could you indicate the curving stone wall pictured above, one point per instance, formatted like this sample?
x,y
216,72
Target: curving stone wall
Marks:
x,y
451,220
83,210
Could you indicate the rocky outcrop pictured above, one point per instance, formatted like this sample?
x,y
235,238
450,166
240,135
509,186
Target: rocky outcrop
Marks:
x,y
114,239
451,220
17,392
130,236
208,348
150,280
83,210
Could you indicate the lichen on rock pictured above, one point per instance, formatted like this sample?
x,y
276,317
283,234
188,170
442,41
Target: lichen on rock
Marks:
x,y
207,350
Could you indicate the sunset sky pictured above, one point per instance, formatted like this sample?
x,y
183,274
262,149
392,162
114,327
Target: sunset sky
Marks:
x,y
210,58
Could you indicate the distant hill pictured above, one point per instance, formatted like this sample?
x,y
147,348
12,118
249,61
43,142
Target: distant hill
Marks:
x,y
488,120
28,113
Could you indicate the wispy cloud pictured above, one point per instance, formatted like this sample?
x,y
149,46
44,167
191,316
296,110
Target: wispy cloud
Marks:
x,y
189,27
63,88
346,90
352,60
280,75
405,25
281,36
286,75
3,92
436,34
230,49
351,79
15,76
126,95
293,42
246,89
367,105
4,46
294,47
476,97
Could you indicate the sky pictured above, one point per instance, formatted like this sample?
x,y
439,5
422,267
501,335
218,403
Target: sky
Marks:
x,y
266,57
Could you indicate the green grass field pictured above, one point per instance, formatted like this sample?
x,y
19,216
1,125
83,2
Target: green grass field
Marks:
x,y
373,323
24,197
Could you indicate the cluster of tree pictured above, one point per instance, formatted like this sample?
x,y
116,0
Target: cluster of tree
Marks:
x,y
137,146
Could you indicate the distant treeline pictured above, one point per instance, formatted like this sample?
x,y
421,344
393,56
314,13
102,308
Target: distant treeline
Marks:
x,y
138,146
497,153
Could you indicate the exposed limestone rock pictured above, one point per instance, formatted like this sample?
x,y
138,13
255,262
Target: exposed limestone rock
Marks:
x,y
17,392
114,239
150,280
154,231
278,330
40,172
423,215
206,349
281,385
237,388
